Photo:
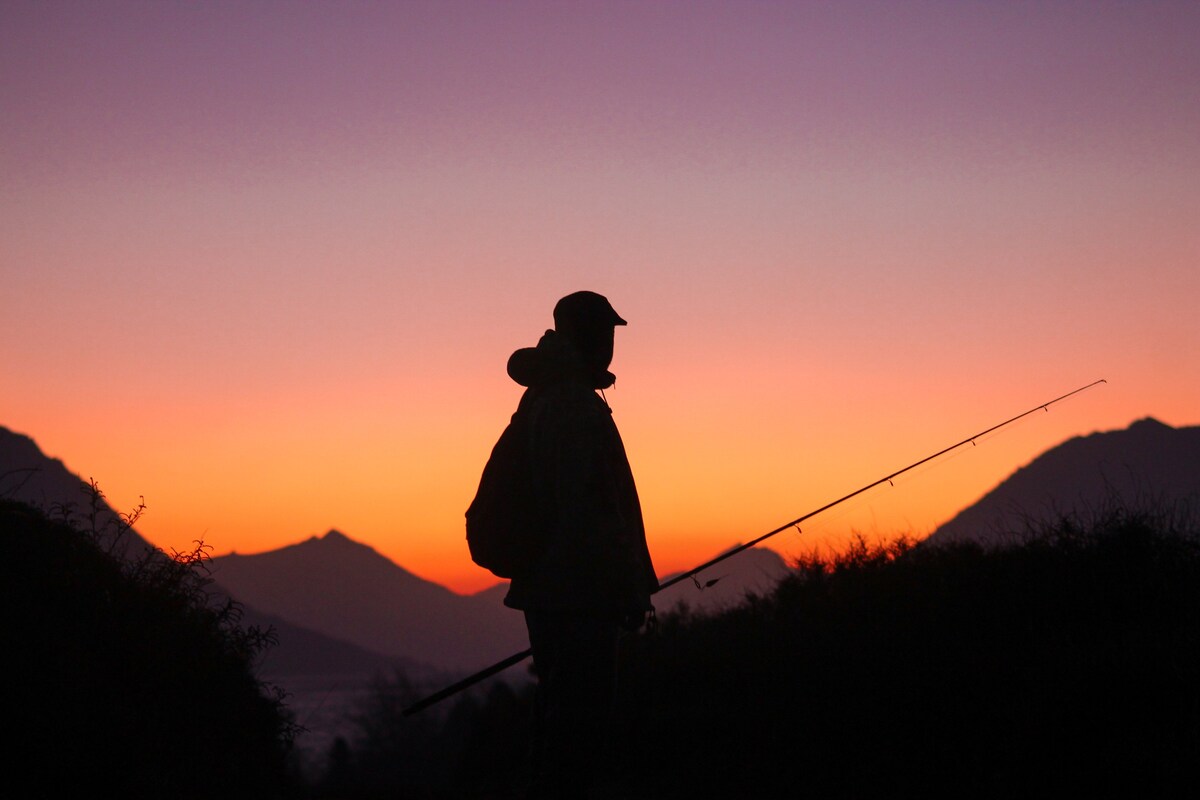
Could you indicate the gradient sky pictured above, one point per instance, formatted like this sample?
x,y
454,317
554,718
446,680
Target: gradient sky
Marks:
x,y
263,263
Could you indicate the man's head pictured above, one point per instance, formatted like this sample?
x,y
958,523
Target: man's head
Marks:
x,y
588,320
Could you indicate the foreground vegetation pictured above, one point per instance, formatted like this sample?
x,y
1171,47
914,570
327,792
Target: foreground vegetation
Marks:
x,y
124,678
1065,664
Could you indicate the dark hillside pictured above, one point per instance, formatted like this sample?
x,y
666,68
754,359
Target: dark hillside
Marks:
x,y
1065,666
122,680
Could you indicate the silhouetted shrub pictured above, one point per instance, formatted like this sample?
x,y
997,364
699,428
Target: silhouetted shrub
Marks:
x,y
124,680
1064,665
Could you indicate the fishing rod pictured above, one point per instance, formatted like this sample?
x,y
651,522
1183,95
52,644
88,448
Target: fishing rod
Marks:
x,y
886,479
516,658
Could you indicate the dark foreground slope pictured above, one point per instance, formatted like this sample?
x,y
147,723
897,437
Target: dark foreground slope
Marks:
x,y
1065,666
122,680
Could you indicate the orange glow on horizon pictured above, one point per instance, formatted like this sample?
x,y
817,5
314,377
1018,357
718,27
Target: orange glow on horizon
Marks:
x,y
402,490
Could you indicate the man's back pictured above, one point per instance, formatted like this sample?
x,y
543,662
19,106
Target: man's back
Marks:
x,y
593,574
595,551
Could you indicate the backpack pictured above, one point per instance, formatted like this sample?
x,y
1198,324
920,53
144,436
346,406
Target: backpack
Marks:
x,y
505,522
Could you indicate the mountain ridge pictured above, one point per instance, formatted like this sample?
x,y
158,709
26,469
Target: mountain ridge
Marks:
x,y
336,585
1147,465
332,583
30,476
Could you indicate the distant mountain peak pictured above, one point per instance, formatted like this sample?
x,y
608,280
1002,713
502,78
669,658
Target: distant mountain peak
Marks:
x,y
339,587
30,476
19,440
331,538
1147,466
334,543
1150,424
19,451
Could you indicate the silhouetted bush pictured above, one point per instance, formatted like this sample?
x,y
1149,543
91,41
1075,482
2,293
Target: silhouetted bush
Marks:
x,y
123,679
1064,665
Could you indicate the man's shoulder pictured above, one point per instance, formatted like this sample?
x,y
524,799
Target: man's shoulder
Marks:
x,y
564,405
565,396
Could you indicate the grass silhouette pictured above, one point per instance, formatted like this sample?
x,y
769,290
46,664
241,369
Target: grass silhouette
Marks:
x,y
1064,663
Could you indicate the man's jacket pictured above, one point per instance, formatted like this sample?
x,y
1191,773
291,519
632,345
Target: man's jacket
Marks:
x,y
595,556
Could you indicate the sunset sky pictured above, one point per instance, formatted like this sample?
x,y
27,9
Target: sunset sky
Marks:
x,y
263,263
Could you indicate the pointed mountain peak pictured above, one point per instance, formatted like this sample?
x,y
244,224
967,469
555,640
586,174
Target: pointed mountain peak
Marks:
x,y
331,537
1148,424
334,542
336,552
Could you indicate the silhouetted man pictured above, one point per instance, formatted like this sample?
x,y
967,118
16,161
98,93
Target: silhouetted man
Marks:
x,y
594,574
